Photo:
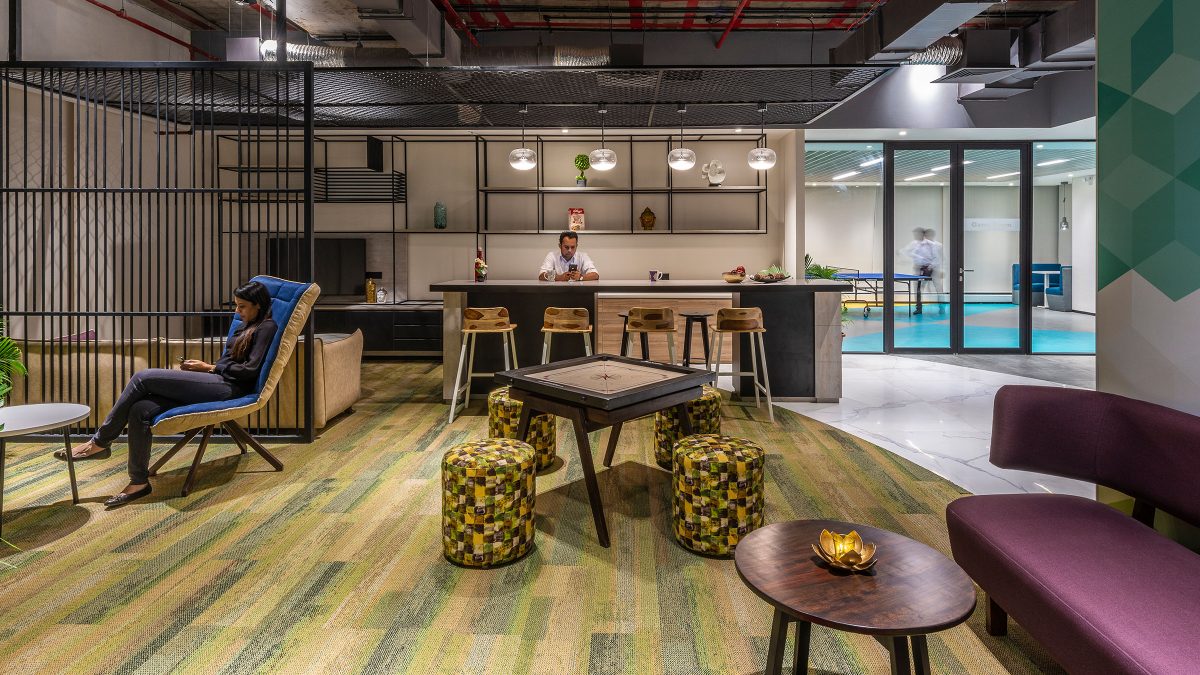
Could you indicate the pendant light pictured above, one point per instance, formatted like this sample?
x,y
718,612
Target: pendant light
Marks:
x,y
523,158
681,158
761,157
602,159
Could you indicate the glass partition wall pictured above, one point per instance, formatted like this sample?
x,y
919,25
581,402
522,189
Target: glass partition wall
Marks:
x,y
981,210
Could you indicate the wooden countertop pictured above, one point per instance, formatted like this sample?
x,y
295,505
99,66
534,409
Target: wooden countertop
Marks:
x,y
640,286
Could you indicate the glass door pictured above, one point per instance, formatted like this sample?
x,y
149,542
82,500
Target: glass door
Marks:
x,y
917,310
957,245
994,226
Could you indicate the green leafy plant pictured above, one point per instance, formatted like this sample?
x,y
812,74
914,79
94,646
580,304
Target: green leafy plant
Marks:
x,y
583,164
10,362
814,271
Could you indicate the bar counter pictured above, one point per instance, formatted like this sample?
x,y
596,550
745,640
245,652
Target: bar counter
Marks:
x,y
802,318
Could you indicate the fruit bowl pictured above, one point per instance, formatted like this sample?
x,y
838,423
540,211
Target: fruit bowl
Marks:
x,y
733,278
770,278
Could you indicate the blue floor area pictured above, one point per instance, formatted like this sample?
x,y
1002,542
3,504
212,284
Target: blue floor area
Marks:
x,y
931,330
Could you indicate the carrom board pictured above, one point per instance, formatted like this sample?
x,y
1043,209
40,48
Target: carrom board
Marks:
x,y
604,381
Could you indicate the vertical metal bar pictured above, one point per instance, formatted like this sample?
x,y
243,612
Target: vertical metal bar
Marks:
x,y
958,192
308,247
14,30
1025,308
889,245
281,31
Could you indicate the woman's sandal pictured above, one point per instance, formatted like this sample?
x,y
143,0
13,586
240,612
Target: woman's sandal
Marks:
x,y
103,453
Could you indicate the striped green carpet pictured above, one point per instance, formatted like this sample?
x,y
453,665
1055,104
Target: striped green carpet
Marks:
x,y
334,565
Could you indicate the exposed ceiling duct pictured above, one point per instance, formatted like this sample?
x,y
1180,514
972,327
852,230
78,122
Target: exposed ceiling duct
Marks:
x,y
902,28
417,27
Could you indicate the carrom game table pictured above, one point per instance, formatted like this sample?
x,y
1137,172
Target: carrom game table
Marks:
x,y
601,391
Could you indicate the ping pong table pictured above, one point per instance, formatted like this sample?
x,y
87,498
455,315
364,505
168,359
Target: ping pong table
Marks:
x,y
872,283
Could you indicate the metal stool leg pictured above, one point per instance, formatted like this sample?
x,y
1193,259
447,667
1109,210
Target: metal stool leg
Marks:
x,y
716,362
512,343
625,337
687,341
704,335
753,367
462,357
546,347
645,339
671,348
762,351
504,347
587,344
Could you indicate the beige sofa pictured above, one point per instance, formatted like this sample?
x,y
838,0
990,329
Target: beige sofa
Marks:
x,y
96,372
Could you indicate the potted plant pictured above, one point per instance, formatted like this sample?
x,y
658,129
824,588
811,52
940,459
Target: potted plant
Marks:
x,y
583,164
10,363
814,271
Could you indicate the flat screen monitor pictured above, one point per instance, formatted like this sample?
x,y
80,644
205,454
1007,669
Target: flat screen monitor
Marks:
x,y
340,265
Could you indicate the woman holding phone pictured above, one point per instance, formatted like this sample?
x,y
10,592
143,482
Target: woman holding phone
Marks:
x,y
154,390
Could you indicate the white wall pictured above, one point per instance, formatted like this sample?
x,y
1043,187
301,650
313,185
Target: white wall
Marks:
x,y
1083,245
73,30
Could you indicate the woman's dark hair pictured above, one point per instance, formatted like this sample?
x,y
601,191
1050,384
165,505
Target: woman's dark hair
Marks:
x,y
255,294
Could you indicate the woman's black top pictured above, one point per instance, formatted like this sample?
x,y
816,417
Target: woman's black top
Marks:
x,y
244,374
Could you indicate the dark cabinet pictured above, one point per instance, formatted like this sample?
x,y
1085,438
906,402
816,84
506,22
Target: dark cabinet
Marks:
x,y
404,332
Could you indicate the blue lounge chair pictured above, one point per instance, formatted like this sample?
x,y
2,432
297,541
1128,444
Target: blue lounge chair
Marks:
x,y
291,303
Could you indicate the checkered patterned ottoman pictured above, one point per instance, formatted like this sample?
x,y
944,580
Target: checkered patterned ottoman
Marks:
x,y
503,415
718,492
706,419
487,502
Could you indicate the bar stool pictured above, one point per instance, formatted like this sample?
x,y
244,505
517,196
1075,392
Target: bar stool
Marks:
x,y
625,336
646,320
737,320
566,320
689,319
478,320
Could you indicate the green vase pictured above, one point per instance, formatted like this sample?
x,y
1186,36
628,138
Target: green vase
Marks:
x,y
439,216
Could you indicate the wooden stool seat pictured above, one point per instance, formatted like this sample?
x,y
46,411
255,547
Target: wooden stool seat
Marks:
x,y
569,320
481,321
646,320
735,320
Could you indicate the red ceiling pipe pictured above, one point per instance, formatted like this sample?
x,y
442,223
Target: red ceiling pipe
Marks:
x,y
192,50
689,18
635,18
498,12
737,17
475,15
457,21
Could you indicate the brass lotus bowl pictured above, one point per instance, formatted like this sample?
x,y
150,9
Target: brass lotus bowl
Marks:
x,y
845,551
734,278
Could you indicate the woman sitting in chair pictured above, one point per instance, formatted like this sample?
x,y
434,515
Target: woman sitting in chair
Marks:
x,y
154,390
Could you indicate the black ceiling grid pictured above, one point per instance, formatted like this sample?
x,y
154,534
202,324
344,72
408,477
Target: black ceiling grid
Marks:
x,y
489,98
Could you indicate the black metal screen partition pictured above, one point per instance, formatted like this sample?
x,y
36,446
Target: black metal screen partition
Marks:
x,y
128,219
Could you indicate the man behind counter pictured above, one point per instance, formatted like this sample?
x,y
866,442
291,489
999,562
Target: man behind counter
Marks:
x,y
568,263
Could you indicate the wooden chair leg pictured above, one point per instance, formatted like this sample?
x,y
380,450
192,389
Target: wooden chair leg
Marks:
x,y
187,437
235,428
191,477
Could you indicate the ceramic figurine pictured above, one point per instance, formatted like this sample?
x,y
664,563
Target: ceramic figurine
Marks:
x,y
714,171
647,218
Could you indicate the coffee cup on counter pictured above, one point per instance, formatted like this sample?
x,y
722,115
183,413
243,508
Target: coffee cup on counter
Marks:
x,y
655,275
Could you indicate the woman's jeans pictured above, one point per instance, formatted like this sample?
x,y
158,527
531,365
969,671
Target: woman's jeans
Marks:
x,y
148,394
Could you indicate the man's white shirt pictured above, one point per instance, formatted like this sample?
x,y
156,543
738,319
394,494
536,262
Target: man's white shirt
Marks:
x,y
555,264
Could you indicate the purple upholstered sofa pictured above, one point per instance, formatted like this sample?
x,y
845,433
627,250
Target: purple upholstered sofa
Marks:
x,y
1103,592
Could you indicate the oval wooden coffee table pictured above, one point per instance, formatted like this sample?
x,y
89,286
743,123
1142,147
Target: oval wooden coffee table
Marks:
x,y
913,590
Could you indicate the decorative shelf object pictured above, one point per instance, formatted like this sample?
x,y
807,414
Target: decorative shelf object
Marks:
x,y
359,185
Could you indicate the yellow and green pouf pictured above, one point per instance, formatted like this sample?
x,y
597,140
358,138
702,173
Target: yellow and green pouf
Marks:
x,y
503,416
487,502
718,492
706,419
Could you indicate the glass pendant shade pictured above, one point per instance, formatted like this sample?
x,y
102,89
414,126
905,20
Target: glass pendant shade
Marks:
x,y
522,159
681,159
602,159
761,159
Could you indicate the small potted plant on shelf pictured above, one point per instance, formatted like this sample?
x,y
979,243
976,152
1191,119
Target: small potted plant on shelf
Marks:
x,y
583,164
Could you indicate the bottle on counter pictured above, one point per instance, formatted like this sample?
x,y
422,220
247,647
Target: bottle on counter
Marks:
x,y
480,266
371,286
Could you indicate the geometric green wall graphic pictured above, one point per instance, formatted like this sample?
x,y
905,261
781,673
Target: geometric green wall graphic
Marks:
x,y
1148,149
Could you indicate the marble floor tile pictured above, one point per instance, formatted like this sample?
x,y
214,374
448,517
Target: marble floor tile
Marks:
x,y
937,415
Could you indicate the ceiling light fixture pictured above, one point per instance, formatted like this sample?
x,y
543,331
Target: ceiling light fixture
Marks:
x,y
565,130
1040,146
1004,175
523,158
846,175
761,157
924,175
681,158
1052,162
943,168
737,130
903,133
872,162
602,159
